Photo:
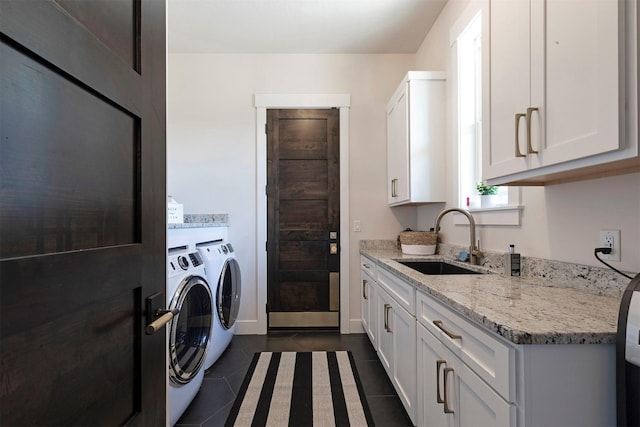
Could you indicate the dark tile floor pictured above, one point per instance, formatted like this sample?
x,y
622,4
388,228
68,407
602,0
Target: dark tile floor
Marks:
x,y
222,381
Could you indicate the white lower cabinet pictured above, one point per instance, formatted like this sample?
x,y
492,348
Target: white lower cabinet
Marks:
x,y
368,302
397,348
450,394
449,371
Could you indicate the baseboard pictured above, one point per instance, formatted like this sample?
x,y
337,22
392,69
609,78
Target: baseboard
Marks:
x,y
250,327
247,327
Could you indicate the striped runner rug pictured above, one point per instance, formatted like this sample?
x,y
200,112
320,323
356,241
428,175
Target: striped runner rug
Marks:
x,y
301,389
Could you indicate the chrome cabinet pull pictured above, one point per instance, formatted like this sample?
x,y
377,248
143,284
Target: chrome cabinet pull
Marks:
x,y
163,317
439,363
518,117
530,111
367,266
364,287
386,318
447,410
451,335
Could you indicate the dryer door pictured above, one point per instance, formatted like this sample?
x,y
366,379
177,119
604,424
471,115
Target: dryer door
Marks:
x,y
190,329
228,295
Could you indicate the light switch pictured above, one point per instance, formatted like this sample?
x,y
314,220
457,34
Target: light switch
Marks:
x,y
356,225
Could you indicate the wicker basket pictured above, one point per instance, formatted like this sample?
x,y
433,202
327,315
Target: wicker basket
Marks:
x,y
418,242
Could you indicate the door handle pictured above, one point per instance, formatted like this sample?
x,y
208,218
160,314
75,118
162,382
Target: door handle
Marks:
x,y
518,117
450,334
439,363
157,317
364,289
162,318
530,111
445,372
386,317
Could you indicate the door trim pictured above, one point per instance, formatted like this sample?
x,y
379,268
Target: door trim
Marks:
x,y
283,101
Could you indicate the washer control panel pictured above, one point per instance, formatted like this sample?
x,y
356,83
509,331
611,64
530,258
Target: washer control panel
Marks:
x,y
178,263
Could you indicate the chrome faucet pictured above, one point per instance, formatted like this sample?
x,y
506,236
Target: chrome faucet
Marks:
x,y
474,250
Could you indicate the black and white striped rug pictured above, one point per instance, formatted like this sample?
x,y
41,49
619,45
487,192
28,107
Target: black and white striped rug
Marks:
x,y
301,389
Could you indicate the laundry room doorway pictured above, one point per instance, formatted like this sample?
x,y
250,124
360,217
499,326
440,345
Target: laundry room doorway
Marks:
x,y
303,218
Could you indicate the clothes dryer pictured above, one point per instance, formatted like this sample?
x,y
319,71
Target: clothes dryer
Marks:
x,y
187,291
223,274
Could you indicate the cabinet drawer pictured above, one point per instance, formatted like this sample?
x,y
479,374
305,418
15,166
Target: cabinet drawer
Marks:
x,y
401,291
486,355
368,266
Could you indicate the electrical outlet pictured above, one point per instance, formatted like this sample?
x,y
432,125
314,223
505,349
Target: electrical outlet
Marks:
x,y
610,239
356,225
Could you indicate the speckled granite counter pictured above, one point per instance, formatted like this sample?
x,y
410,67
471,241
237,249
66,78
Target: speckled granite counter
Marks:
x,y
523,310
202,221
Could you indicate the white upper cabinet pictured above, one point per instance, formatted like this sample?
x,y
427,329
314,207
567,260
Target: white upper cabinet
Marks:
x,y
563,99
415,140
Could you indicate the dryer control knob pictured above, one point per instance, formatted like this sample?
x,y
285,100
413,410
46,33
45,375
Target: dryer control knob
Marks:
x,y
183,262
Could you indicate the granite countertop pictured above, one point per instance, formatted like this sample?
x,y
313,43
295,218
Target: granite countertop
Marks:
x,y
524,310
201,221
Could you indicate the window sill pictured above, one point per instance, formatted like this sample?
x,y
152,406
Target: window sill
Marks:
x,y
502,215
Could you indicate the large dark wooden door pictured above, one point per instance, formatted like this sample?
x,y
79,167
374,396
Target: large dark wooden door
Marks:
x,y
82,211
303,209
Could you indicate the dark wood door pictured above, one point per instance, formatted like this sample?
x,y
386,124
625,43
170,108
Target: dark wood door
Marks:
x,y
82,211
303,209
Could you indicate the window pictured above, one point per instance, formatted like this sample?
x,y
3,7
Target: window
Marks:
x,y
467,57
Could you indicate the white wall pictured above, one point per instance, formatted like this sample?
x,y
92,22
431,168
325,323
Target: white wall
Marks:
x,y
211,147
559,222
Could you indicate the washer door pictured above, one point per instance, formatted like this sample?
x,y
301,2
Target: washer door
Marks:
x,y
190,329
228,295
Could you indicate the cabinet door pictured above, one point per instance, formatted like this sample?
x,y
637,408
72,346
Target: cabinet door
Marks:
x,y
364,301
575,79
477,404
368,307
398,147
385,336
510,94
403,330
431,361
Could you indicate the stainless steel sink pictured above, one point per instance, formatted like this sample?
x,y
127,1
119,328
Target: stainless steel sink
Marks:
x,y
437,267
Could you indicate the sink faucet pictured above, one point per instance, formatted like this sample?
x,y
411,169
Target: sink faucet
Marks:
x,y
474,250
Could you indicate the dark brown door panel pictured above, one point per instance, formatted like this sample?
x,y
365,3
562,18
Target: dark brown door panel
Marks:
x,y
82,162
303,208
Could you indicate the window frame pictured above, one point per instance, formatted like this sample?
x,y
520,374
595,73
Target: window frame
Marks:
x,y
510,213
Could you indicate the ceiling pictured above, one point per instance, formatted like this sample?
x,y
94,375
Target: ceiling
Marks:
x,y
299,26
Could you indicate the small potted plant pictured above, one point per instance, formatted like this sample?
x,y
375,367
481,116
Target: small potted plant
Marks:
x,y
487,193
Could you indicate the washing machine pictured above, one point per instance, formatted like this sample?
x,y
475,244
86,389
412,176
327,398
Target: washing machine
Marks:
x,y
223,275
187,291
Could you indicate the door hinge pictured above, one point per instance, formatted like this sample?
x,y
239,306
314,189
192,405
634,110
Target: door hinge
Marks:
x,y
266,128
266,245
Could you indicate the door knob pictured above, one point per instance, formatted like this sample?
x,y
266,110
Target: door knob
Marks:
x,y
157,317
163,317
